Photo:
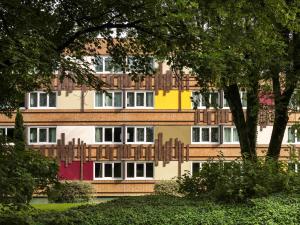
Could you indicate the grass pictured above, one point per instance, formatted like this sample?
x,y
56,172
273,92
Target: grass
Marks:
x,y
57,206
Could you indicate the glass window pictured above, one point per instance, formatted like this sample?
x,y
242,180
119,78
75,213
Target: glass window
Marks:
x,y
214,99
99,64
43,99
33,135
130,99
108,99
149,99
98,134
130,134
130,170
196,134
149,170
150,134
117,170
227,134
205,134
52,135
98,170
107,170
235,136
42,135
139,99
140,169
118,99
118,134
99,99
108,135
140,134
195,168
107,64
52,99
33,100
291,136
10,133
2,131
214,134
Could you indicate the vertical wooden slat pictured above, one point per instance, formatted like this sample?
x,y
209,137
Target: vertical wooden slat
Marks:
x,y
89,153
160,146
182,152
176,148
81,160
135,153
111,154
156,152
187,154
84,153
209,118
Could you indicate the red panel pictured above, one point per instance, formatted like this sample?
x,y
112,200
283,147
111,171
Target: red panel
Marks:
x,y
72,171
266,99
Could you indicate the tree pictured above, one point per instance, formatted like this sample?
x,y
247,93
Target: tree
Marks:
x,y
19,138
232,45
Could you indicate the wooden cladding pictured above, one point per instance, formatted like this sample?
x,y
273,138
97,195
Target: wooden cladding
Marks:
x,y
209,117
156,82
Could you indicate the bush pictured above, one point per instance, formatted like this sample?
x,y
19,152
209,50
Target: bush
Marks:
x,y
70,192
167,187
238,181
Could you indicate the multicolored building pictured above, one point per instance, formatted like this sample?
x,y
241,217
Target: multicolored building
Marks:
x,y
134,133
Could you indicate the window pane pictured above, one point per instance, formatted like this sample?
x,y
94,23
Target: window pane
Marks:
x,y
139,99
33,135
149,99
130,169
235,136
291,136
149,134
107,170
108,135
33,99
203,101
225,103
140,134
10,133
99,99
99,64
118,134
98,134
117,170
118,99
52,99
107,64
149,170
43,99
117,68
214,99
98,170
243,96
108,99
196,134
130,134
214,134
130,99
227,134
2,131
195,168
42,135
205,134
140,169
52,135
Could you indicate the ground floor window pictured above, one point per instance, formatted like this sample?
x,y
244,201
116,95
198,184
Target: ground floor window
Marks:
x,y
108,170
139,170
42,135
7,132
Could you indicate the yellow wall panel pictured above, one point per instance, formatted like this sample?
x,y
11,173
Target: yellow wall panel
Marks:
x,y
170,100
186,102
183,133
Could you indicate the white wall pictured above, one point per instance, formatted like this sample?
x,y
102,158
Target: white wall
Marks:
x,y
85,133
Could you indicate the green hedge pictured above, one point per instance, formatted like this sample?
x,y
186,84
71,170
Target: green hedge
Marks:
x,y
168,210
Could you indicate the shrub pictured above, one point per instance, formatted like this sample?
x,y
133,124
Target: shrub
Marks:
x,y
70,192
167,187
238,181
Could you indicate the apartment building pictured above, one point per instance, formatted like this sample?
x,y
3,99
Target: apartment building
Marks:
x,y
133,133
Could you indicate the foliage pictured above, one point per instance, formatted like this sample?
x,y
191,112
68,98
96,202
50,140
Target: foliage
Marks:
x,y
19,134
281,209
57,206
70,192
238,181
167,187
23,172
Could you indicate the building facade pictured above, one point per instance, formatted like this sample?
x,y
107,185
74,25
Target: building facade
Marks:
x,y
134,133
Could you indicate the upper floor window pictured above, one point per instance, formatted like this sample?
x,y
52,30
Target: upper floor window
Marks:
x,y
108,135
42,135
230,135
200,102
198,166
139,170
139,99
243,96
107,170
42,100
293,136
139,135
7,132
205,134
103,64
110,99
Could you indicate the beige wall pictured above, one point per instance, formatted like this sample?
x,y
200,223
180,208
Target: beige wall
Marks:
x,y
170,171
73,100
183,133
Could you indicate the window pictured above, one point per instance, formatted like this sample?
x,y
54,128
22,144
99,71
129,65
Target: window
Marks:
x,y
42,135
103,64
198,166
294,166
199,100
140,99
243,96
205,135
135,63
7,132
139,170
139,135
230,135
108,134
107,170
42,100
293,136
108,99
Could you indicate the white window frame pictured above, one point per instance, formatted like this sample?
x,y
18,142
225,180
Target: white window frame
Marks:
x,y
113,100
205,142
103,135
200,106
231,135
103,172
297,139
103,64
135,170
241,96
201,162
38,100
135,135
38,135
135,99
5,131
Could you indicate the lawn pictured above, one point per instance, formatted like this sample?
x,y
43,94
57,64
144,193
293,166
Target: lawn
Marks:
x,y
278,209
56,206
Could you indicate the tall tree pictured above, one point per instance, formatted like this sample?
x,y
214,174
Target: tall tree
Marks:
x,y
19,134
